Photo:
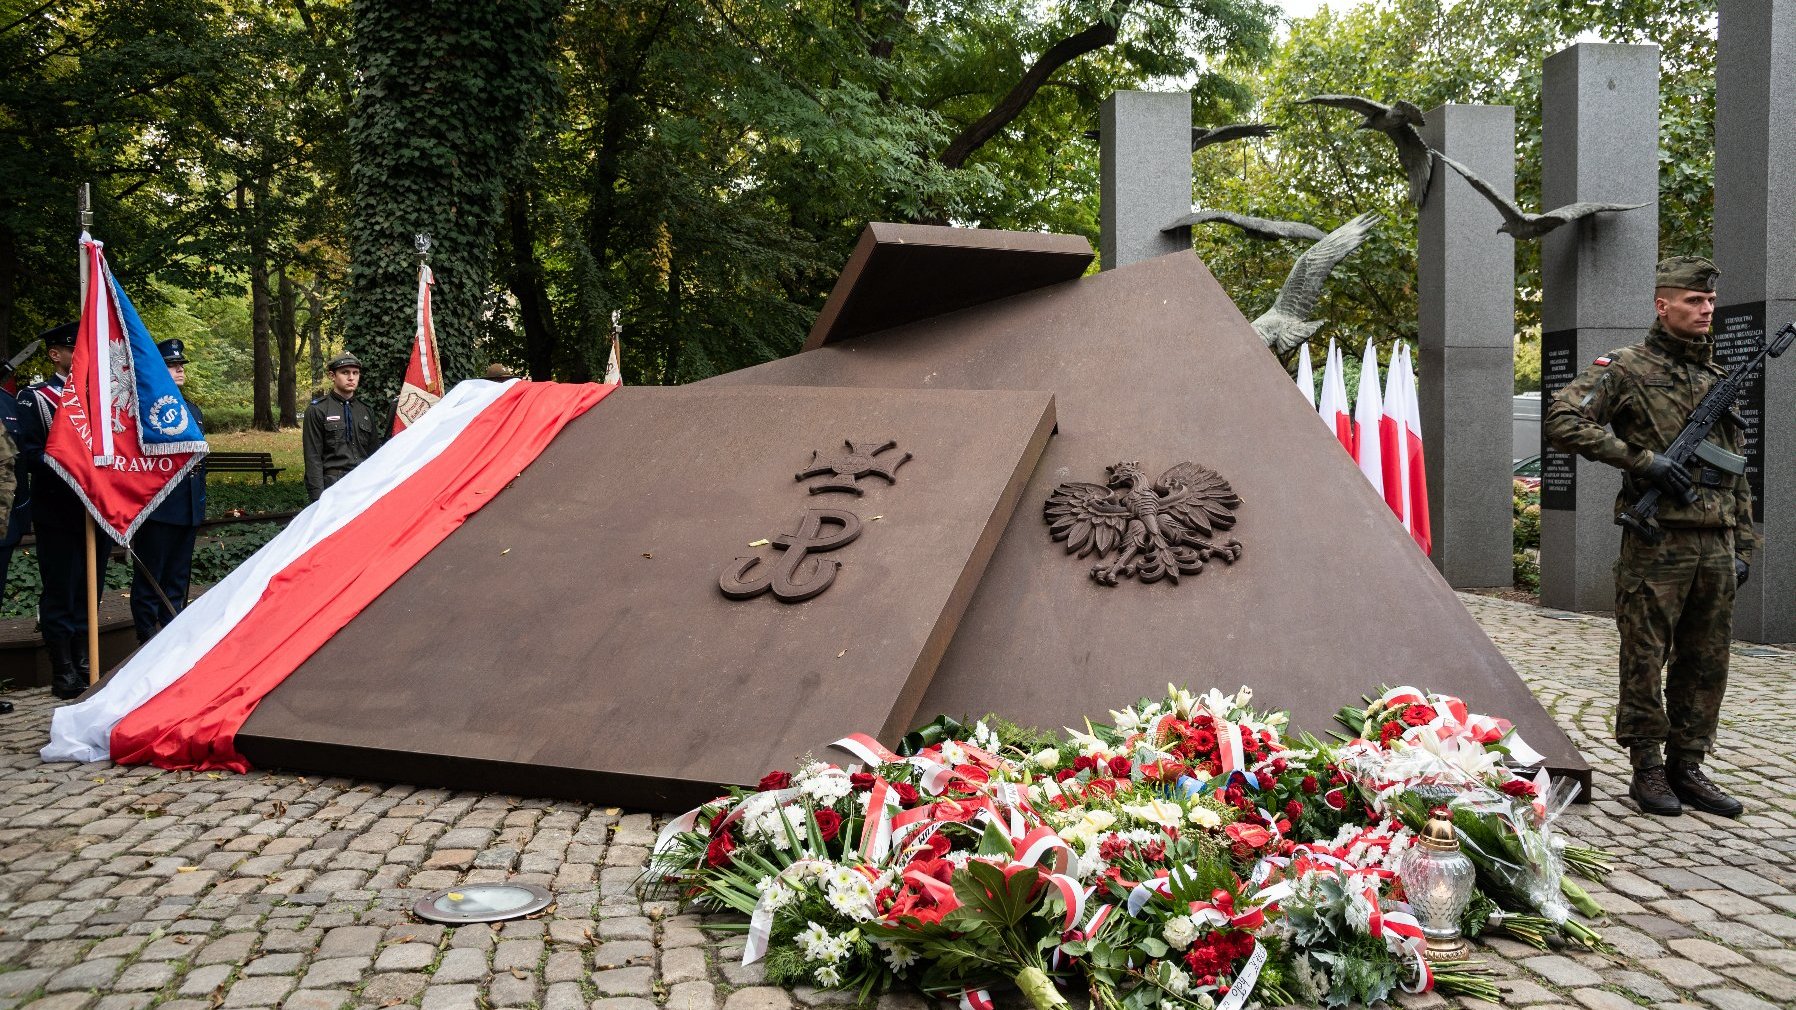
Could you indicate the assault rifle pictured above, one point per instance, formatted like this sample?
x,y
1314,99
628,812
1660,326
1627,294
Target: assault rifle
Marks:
x,y
1692,442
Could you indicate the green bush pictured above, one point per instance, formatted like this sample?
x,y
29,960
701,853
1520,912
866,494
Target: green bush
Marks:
x,y
252,497
229,546
1526,502
228,417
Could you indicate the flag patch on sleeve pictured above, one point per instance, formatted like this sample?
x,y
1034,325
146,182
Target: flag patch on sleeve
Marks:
x,y
1604,360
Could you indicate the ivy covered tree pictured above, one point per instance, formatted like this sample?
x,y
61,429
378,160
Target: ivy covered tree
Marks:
x,y
446,93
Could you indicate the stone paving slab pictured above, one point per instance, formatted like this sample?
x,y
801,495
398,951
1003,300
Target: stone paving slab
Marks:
x,y
133,888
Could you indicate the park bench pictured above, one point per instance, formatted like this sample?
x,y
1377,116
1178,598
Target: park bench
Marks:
x,y
243,462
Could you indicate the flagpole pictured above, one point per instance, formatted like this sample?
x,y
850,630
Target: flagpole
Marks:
x,y
85,204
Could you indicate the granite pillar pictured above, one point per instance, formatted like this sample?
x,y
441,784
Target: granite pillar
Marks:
x,y
1599,141
1755,219
1144,157
1466,280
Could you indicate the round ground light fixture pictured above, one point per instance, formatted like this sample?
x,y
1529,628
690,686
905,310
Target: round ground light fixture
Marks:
x,y
482,903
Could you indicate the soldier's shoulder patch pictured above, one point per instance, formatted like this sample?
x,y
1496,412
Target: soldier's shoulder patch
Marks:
x,y
1604,360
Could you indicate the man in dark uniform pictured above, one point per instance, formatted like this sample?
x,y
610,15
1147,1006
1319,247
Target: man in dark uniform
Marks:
x,y
340,431
1674,600
164,543
59,518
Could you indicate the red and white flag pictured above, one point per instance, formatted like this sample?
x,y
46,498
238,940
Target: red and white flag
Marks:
x,y
1368,409
122,436
1390,439
1415,467
1333,404
424,375
1306,380
614,365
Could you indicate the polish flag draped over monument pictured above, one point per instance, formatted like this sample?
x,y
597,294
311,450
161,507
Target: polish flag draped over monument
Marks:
x,y
123,436
423,385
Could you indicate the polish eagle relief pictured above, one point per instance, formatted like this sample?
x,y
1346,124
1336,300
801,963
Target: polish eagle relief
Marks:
x,y
1157,530
124,385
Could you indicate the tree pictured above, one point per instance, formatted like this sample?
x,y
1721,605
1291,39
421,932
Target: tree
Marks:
x,y
446,96
1428,51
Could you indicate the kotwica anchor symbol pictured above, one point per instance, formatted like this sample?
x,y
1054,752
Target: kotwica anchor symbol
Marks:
x,y
796,576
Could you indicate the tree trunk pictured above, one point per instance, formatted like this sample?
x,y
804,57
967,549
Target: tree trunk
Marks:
x,y
1012,104
9,272
286,329
260,337
527,285
314,335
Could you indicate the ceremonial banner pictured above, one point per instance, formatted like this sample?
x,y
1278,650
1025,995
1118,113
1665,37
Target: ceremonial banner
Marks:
x,y
123,436
1306,380
1368,411
423,385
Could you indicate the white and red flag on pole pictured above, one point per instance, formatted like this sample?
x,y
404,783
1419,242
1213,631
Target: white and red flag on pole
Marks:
x,y
614,365
1390,439
1306,380
1333,403
1368,409
1415,465
123,436
423,385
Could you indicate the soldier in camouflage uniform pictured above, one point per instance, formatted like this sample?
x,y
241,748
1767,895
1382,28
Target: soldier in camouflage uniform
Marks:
x,y
1674,600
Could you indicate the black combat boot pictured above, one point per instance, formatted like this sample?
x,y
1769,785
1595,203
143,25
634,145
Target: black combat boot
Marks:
x,y
66,682
78,649
1694,788
1653,793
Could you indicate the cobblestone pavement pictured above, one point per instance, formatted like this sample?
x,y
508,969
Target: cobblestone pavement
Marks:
x,y
123,889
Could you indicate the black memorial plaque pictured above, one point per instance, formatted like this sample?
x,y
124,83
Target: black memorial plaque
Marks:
x,y
1739,333
1559,365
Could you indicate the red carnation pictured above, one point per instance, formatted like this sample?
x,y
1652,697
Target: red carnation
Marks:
x,y
1293,810
718,852
1120,767
775,780
829,823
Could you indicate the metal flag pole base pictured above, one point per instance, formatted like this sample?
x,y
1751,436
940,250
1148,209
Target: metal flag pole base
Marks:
x,y
93,611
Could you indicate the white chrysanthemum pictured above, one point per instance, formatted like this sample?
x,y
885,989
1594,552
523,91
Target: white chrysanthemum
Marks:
x,y
1179,931
771,825
841,878
958,857
1359,911
814,942
827,786
899,957
855,901
828,976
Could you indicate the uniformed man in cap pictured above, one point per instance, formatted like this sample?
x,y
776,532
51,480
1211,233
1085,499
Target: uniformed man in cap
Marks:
x,y
340,431
59,519
1674,600
164,543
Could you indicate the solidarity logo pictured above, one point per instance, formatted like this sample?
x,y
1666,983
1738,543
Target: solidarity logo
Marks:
x,y
169,415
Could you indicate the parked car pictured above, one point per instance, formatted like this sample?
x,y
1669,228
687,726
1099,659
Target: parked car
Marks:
x,y
1527,472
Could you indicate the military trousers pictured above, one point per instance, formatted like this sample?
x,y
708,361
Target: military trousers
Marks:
x,y
1674,608
165,556
62,565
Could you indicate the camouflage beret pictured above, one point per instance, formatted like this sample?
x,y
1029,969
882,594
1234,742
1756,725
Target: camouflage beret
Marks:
x,y
1692,273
